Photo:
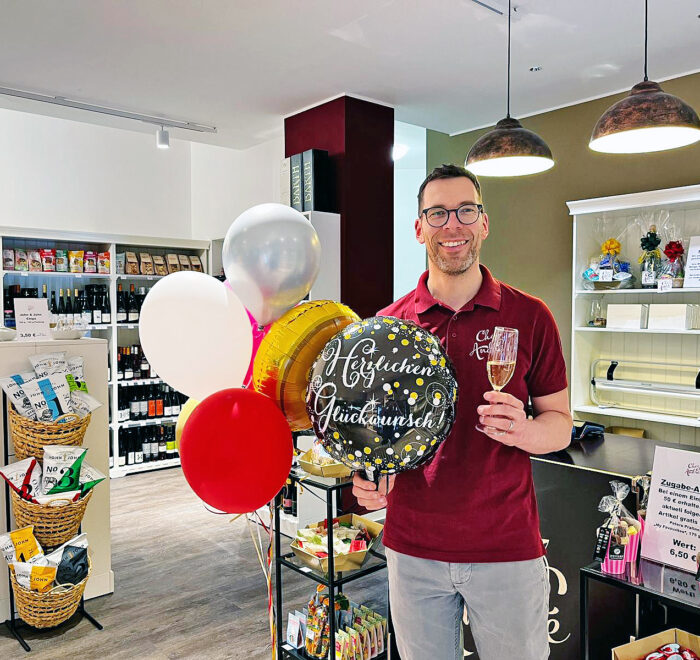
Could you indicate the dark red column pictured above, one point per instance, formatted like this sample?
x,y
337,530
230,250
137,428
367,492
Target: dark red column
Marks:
x,y
358,135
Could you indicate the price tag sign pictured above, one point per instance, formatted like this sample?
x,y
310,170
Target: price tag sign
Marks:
x,y
605,275
692,264
32,318
665,284
672,531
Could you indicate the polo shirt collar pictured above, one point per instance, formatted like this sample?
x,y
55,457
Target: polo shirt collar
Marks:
x,y
488,295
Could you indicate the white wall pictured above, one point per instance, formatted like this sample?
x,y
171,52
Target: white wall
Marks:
x,y
65,175
226,182
409,172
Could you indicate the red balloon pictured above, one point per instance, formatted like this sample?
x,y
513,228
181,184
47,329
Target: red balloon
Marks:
x,y
236,450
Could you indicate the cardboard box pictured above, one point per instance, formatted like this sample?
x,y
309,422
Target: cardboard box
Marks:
x,y
335,470
640,648
627,316
349,562
670,317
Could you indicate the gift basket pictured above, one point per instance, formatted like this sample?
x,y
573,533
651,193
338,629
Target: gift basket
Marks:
x,y
52,499
47,587
50,405
318,462
353,537
608,270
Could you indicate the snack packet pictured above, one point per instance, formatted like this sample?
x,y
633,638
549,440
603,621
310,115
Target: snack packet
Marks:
x,y
173,263
146,263
62,466
13,386
79,541
82,403
21,260
365,643
35,577
75,385
24,478
90,262
131,266
196,264
89,478
34,261
20,545
103,263
184,262
48,363
73,567
75,260
159,265
61,261
8,259
48,260
50,397
342,640
355,646
76,367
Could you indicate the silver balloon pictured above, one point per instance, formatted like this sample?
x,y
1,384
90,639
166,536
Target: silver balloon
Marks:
x,y
271,257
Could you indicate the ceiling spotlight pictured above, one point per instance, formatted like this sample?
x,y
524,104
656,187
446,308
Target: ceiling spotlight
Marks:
x,y
162,138
647,120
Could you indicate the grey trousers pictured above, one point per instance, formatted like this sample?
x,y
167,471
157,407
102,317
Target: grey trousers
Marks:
x,y
507,604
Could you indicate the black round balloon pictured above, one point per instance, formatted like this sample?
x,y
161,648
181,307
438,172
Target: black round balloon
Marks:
x,y
382,395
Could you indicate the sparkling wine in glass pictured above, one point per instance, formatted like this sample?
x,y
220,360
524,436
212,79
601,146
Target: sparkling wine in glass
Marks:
x,y
500,363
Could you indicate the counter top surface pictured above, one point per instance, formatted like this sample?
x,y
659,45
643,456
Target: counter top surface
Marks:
x,y
617,454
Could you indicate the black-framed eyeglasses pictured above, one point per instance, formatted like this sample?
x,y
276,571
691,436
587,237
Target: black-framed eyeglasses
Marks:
x,y
467,214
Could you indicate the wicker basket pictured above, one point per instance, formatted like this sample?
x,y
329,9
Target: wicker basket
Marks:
x,y
46,610
30,437
53,525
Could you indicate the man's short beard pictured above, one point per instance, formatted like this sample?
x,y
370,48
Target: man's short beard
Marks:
x,y
451,268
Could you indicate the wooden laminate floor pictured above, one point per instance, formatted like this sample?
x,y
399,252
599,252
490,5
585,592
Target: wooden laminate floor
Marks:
x,y
187,585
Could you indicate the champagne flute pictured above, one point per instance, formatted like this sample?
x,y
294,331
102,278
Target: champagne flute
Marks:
x,y
500,363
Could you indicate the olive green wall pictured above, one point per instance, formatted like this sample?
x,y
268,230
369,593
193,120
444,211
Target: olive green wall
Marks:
x,y
530,241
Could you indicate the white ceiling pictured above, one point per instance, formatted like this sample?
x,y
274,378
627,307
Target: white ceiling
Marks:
x,y
242,65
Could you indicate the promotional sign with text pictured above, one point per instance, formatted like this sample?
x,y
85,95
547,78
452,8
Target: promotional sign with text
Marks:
x,y
672,531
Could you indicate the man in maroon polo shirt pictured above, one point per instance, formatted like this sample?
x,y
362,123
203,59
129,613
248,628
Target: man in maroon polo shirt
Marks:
x,y
463,530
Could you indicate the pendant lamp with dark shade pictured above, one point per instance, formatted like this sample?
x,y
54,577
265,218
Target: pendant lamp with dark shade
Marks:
x,y
647,120
509,149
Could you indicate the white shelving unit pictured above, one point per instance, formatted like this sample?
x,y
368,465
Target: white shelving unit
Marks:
x,y
651,346
118,334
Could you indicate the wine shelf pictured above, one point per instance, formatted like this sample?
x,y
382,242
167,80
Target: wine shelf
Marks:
x,y
140,381
641,330
127,326
146,278
50,274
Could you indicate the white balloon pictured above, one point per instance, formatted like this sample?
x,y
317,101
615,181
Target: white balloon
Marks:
x,y
271,256
196,333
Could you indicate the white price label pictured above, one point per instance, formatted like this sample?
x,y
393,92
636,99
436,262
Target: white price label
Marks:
x,y
79,275
305,569
665,284
605,275
24,273
648,277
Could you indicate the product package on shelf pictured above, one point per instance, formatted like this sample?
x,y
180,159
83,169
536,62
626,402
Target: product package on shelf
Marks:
x,y
146,264
360,633
618,537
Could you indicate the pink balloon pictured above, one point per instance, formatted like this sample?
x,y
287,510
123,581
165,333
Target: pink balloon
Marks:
x,y
258,333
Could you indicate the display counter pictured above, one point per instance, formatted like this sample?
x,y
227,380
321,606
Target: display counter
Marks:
x,y
569,486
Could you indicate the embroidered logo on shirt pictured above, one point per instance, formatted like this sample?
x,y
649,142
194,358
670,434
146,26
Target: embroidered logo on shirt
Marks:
x,y
481,344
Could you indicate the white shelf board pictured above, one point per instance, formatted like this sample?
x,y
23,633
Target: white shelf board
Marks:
x,y
127,326
606,292
50,274
100,326
628,413
640,330
124,276
117,472
156,421
673,196
140,381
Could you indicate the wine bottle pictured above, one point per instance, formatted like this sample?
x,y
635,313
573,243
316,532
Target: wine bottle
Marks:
x,y
174,441
43,291
287,498
132,310
151,402
143,402
128,366
121,459
85,307
138,449
134,407
130,439
162,445
121,305
144,367
96,308
145,446
167,403
160,403
154,444
61,307
177,406
106,309
69,307
54,315
120,365
170,449
77,308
